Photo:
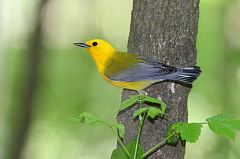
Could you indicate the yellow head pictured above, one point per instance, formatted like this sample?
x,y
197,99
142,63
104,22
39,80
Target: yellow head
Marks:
x,y
100,51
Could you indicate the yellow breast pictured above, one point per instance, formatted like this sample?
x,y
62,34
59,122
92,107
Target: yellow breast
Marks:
x,y
104,51
138,85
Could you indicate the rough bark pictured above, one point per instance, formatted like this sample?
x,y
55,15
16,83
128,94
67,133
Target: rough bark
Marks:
x,y
26,105
164,31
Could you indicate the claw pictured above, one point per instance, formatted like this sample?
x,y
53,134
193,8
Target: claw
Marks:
x,y
142,92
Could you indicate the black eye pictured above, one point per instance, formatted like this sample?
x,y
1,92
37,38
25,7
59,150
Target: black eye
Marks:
x,y
94,43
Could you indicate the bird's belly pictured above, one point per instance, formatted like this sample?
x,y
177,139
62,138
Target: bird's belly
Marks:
x,y
136,85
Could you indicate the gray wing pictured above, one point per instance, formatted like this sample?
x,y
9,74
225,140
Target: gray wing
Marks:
x,y
144,71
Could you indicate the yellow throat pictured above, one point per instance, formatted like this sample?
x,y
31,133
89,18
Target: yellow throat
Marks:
x,y
100,51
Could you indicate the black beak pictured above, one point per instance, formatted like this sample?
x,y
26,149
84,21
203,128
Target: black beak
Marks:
x,y
82,45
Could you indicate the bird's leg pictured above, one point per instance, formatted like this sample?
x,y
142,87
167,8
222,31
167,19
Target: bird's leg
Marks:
x,y
142,92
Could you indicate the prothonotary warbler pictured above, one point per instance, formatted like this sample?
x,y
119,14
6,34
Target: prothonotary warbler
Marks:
x,y
131,71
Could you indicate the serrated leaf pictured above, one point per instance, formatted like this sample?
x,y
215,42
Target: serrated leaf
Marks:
x,y
174,139
154,112
119,153
87,118
189,132
157,101
224,125
74,119
139,111
151,99
121,130
129,102
131,148
223,116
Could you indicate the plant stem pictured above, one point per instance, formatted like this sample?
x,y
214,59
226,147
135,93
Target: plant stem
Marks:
x,y
140,126
124,148
121,143
203,122
156,147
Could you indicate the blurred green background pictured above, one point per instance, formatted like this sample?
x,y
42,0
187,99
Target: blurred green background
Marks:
x,y
68,83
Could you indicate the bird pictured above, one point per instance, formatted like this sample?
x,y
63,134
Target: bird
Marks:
x,y
132,71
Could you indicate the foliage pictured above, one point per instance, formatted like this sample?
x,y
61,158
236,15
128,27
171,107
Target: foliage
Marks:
x,y
129,102
144,99
189,132
87,118
119,152
152,112
222,124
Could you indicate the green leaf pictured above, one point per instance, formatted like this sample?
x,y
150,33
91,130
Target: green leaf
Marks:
x,y
174,139
121,130
139,111
119,153
87,118
224,125
189,132
154,112
156,101
74,119
129,102
151,99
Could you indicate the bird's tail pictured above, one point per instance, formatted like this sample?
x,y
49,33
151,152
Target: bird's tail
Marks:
x,y
186,75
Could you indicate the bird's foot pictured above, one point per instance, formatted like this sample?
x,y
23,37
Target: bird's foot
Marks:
x,y
142,92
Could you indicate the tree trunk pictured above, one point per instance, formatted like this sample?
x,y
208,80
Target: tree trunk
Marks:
x,y
164,31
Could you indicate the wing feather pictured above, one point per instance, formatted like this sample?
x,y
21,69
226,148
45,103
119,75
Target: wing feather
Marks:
x,y
127,68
